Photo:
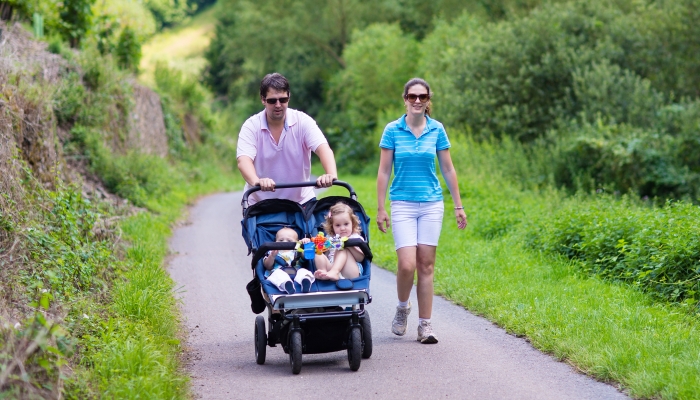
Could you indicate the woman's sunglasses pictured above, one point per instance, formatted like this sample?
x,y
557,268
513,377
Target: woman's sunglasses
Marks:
x,y
412,97
282,100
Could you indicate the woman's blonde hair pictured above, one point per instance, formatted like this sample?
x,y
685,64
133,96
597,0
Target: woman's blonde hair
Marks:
x,y
337,209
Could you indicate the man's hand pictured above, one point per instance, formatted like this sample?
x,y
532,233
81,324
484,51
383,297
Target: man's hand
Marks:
x,y
325,180
266,184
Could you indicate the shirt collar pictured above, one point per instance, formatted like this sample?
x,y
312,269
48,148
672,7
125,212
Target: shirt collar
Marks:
x,y
290,119
430,123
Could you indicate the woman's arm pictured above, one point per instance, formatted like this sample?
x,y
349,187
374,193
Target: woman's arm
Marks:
x,y
450,175
386,159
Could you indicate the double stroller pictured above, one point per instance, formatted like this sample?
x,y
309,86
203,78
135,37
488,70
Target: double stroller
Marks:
x,y
331,316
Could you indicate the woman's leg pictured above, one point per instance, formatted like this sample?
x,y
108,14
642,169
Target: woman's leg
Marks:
x,y
404,216
425,266
405,272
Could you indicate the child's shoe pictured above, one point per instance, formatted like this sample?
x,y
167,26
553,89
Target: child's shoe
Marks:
x,y
289,287
305,285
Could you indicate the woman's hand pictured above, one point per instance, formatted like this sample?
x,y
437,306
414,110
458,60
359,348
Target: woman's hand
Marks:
x,y
461,218
383,221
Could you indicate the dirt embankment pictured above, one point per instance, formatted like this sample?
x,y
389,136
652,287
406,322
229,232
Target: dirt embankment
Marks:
x,y
28,128
32,140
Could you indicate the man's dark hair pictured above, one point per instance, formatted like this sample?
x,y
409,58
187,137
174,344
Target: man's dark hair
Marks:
x,y
275,81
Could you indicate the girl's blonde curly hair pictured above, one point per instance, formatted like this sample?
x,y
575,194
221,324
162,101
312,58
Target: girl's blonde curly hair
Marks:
x,y
338,209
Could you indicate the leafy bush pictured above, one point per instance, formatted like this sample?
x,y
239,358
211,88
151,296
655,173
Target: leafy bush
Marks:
x,y
604,91
135,176
655,249
114,15
67,255
515,77
522,77
70,98
626,160
128,50
169,12
49,10
183,97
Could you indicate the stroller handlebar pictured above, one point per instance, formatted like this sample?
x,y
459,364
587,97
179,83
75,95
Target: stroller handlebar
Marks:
x,y
244,201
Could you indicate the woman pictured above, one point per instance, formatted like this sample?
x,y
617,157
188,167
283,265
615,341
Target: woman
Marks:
x,y
410,145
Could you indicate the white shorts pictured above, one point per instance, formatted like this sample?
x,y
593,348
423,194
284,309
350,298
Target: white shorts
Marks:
x,y
414,223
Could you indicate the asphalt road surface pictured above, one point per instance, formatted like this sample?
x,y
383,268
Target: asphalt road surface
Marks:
x,y
473,360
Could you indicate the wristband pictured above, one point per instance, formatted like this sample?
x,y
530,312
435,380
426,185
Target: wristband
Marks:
x,y
459,208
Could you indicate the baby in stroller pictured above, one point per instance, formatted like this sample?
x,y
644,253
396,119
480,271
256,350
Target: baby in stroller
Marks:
x,y
281,264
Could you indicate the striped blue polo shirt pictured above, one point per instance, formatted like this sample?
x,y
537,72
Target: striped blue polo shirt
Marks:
x,y
415,178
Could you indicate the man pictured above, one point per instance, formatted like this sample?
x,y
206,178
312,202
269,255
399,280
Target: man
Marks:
x,y
275,145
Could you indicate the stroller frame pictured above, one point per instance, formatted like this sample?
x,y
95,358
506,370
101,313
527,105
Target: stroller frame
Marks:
x,y
324,320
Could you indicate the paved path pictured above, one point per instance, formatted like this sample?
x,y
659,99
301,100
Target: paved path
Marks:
x,y
474,359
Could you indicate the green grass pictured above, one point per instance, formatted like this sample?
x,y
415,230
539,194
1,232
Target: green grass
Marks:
x,y
609,331
133,350
182,48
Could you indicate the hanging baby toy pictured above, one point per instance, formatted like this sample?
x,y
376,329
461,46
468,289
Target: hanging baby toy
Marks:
x,y
321,244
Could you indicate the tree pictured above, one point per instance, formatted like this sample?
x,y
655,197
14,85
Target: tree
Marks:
x,y
76,20
380,60
302,39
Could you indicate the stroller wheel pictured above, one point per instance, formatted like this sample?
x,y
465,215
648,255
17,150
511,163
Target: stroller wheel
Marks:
x,y
355,348
366,336
260,340
295,351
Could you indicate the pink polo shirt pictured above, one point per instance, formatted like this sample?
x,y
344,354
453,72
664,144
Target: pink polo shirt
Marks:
x,y
288,161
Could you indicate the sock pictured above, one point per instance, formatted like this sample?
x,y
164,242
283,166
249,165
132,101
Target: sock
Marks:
x,y
423,319
403,304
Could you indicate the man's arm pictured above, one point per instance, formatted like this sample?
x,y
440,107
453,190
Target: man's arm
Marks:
x,y
325,154
245,165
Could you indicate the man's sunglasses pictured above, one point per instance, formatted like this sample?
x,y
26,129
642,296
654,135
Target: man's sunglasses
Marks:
x,y
282,100
412,97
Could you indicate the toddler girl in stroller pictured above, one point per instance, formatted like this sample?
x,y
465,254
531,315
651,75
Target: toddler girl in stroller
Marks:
x,y
335,264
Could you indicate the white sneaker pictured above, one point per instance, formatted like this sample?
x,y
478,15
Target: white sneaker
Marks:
x,y
426,334
398,325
